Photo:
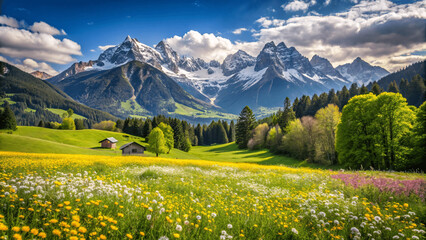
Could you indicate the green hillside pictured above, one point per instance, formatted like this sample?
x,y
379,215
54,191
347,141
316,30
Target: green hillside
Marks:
x,y
31,97
45,140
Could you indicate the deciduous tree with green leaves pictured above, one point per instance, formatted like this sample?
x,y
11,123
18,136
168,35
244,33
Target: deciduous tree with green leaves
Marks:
x,y
156,141
168,135
327,120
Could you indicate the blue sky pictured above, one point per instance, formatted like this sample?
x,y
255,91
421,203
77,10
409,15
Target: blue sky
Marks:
x,y
190,24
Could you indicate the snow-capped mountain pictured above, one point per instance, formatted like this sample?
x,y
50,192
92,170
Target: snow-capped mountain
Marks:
x,y
324,66
263,81
279,72
361,72
130,49
236,62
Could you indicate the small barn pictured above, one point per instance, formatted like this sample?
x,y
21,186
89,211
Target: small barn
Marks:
x,y
108,142
132,148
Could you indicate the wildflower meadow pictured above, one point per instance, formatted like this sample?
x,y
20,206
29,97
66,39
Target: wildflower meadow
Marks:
x,y
54,196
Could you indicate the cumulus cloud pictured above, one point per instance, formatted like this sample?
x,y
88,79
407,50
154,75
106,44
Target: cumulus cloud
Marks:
x,y
21,43
29,65
9,21
378,31
206,46
35,43
267,22
92,50
298,5
239,31
42,27
103,48
327,2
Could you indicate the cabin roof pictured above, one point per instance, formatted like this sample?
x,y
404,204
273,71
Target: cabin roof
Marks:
x,y
130,143
111,139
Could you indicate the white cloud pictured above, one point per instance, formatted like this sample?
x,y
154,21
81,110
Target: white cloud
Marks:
x,y
239,31
327,2
206,46
103,48
29,65
267,22
92,50
42,27
295,6
21,43
9,21
378,31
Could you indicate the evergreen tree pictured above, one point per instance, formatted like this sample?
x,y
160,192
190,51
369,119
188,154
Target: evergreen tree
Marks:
x,y
393,87
198,131
345,95
353,90
376,89
231,133
147,128
7,118
245,125
186,145
119,124
287,115
416,91
363,90
222,137
179,134
332,98
156,141
403,87
40,124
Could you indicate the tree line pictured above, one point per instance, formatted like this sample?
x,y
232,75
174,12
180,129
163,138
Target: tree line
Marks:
x,y
379,131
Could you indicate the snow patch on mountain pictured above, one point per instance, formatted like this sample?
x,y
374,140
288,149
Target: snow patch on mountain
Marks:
x,y
250,76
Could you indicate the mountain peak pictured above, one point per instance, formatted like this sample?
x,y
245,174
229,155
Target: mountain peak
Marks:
x,y
128,39
361,72
268,45
236,62
41,75
281,45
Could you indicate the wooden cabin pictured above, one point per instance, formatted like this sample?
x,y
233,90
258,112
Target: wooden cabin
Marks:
x,y
132,148
109,143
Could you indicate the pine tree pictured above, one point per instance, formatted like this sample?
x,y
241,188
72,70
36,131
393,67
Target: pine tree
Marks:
x,y
245,125
393,87
363,90
416,91
7,118
198,131
287,115
222,137
231,133
353,90
40,124
376,89
147,128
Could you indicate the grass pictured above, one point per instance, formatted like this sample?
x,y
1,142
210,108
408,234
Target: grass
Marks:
x,y
65,196
61,111
16,143
45,140
29,110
